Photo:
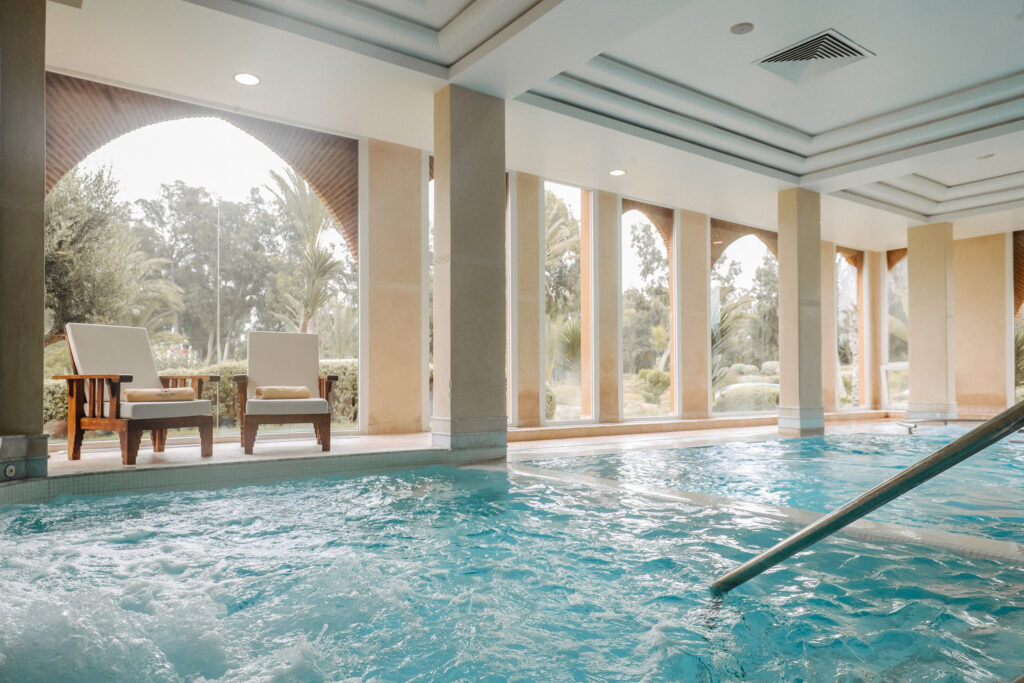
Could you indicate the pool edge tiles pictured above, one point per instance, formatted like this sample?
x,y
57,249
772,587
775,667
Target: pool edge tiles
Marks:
x,y
213,475
962,544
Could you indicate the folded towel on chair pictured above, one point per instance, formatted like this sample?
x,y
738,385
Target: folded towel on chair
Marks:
x,y
282,392
171,394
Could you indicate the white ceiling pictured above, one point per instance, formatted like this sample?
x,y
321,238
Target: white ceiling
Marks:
x,y
661,88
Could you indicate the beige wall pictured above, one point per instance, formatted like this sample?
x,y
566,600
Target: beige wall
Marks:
x,y
800,347
393,260
983,329
608,295
22,156
469,272
930,276
529,298
829,359
694,325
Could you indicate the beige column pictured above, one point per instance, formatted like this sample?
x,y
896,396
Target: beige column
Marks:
x,y
469,274
393,259
800,349
930,276
829,352
608,300
586,306
873,312
22,159
983,333
694,328
526,217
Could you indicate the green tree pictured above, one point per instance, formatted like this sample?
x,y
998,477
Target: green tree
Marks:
x,y
94,267
764,325
645,309
309,227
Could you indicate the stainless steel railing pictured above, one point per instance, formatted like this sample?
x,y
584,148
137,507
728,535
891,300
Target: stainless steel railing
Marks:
x,y
982,436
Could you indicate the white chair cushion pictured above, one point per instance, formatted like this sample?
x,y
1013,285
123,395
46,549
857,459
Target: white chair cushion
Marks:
x,y
114,350
286,406
283,359
145,410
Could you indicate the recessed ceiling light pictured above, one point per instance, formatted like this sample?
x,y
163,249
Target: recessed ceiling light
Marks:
x,y
987,156
741,28
247,79
617,172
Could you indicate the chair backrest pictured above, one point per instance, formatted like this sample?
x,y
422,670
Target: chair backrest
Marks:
x,y
284,359
112,349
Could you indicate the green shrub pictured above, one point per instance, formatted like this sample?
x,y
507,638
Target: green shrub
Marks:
x,y
770,367
654,384
550,401
345,397
740,369
746,398
55,400
750,379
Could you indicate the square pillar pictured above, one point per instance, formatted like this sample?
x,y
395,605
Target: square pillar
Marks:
x,y
930,338
22,162
608,307
526,236
873,312
586,305
983,334
800,348
393,258
694,329
469,274
829,342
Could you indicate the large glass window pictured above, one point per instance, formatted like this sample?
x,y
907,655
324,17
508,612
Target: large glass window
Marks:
x,y
646,320
895,372
199,233
745,328
847,332
564,394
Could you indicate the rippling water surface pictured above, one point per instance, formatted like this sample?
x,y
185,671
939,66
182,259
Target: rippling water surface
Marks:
x,y
983,496
468,575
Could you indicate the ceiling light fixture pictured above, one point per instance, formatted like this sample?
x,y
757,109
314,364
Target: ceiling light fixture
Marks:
x,y
742,28
247,79
617,172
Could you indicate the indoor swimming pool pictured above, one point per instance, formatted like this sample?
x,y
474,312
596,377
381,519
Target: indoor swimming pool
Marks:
x,y
449,574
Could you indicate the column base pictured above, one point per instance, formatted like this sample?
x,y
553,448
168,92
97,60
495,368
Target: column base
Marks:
x,y
475,439
23,456
927,411
795,421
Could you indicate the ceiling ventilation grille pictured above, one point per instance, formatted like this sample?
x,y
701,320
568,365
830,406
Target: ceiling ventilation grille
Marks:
x,y
817,55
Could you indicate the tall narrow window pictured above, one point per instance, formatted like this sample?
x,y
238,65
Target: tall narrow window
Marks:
x,y
646,319
566,386
895,371
745,328
848,328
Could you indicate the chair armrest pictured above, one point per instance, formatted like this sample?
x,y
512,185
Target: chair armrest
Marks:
x,y
327,385
242,378
112,378
243,393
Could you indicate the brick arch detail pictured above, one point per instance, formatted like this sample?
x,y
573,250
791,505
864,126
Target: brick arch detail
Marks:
x,y
724,233
82,116
661,218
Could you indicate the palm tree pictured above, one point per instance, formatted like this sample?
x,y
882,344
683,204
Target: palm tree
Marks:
x,y
310,222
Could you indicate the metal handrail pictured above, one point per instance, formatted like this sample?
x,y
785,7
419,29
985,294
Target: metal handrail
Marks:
x,y
982,436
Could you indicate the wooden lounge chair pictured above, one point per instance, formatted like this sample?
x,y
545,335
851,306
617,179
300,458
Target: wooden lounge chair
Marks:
x,y
107,360
284,359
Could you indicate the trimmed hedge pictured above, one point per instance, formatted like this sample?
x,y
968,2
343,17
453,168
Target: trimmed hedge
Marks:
x,y
344,402
747,398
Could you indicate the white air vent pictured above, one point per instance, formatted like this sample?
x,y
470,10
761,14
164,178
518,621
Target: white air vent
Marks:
x,y
819,54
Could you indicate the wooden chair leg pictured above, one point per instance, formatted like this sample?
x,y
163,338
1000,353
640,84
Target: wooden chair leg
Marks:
x,y
249,435
158,437
323,430
75,434
316,431
131,437
205,438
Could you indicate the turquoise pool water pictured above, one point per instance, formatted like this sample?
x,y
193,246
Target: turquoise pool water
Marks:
x,y
462,575
982,496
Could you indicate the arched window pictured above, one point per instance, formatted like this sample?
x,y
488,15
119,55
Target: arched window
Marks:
x,y
646,319
200,233
745,328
